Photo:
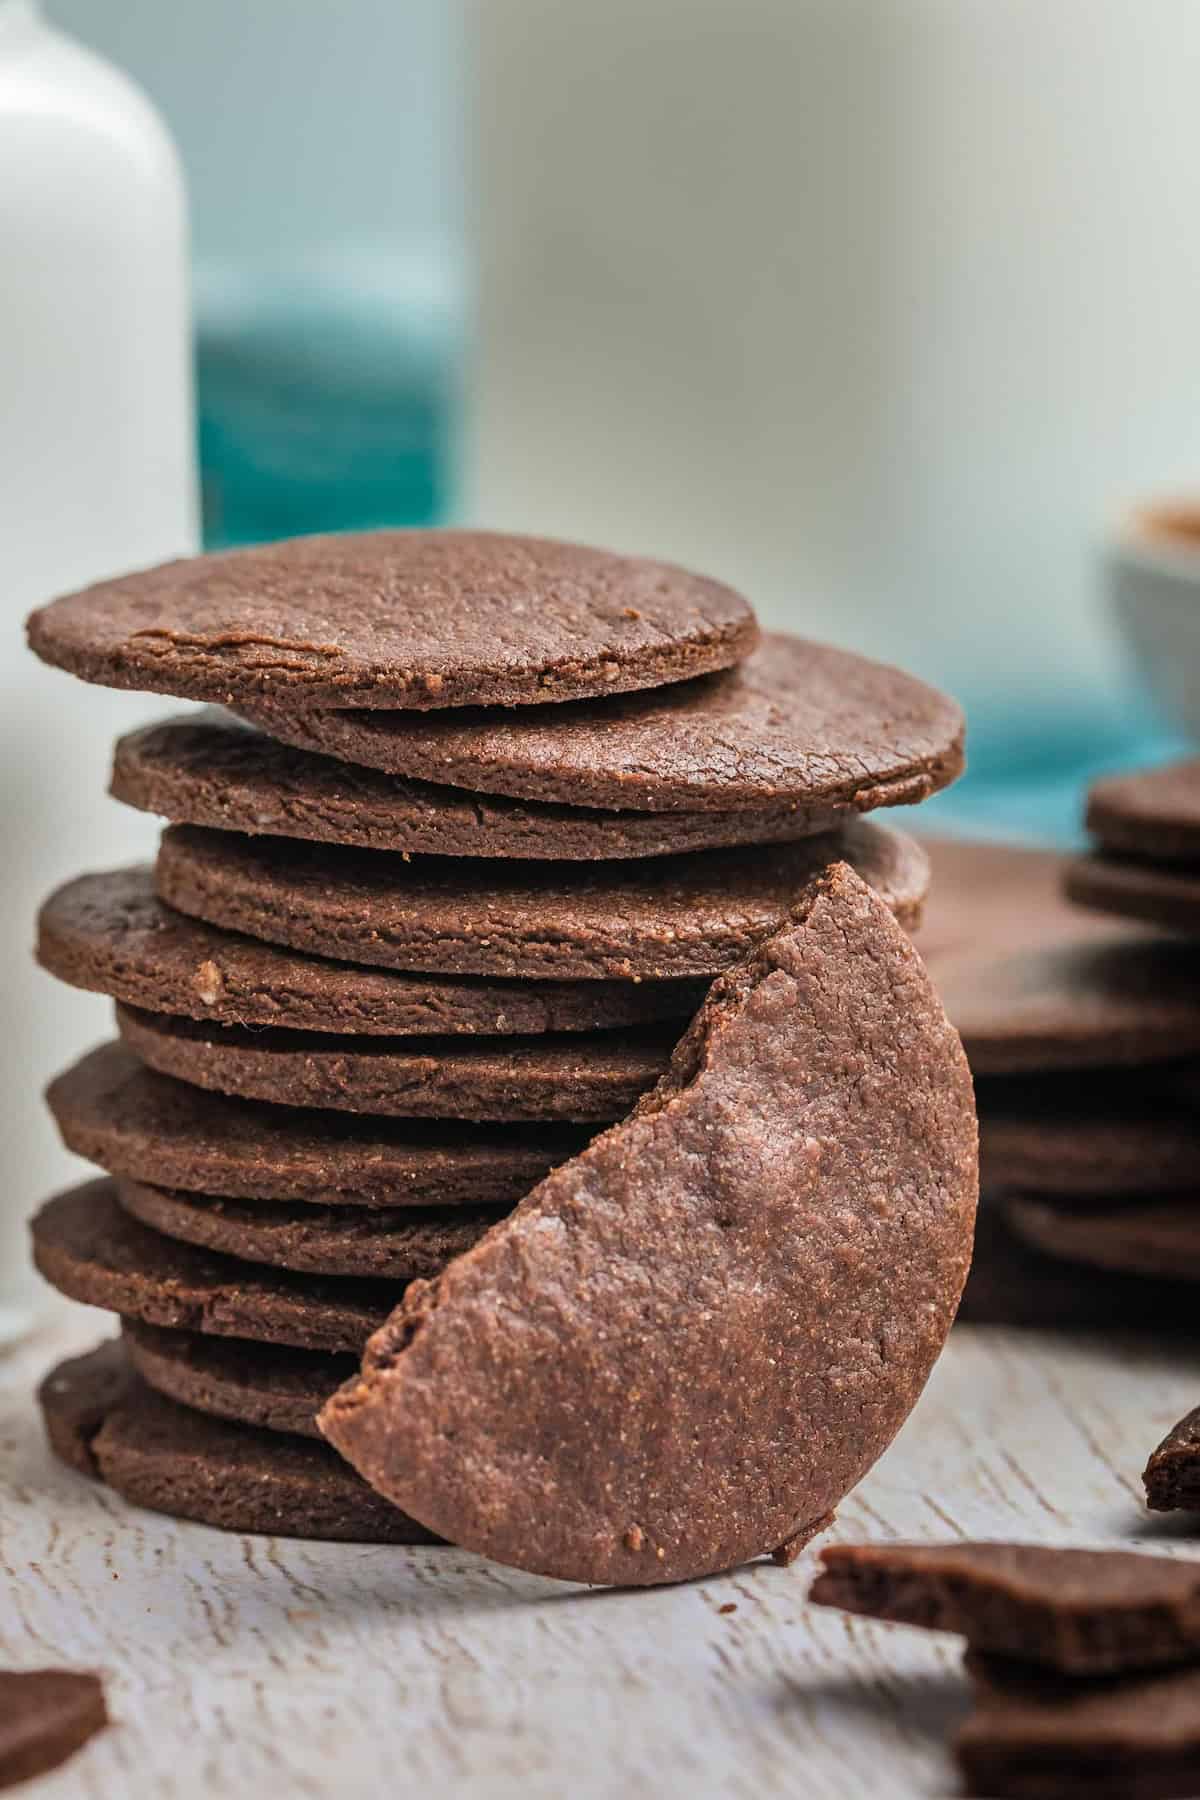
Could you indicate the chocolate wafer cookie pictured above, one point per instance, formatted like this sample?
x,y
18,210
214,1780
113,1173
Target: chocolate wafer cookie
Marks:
x,y
797,722
270,1385
1088,1136
384,984
92,1250
114,1111
1011,1283
1152,813
102,1419
398,619
676,916
320,1240
110,933
1034,1736
1155,1235
1033,983
576,1076
1081,1612
1164,894
218,770
713,1285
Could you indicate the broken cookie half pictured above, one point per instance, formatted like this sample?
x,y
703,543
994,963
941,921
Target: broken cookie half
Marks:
x,y
691,1340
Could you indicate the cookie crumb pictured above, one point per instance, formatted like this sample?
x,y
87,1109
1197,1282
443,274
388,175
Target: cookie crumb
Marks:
x,y
210,983
634,1538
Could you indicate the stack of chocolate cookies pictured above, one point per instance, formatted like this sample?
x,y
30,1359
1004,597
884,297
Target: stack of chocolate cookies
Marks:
x,y
434,903
1083,1033
1146,860
1132,1210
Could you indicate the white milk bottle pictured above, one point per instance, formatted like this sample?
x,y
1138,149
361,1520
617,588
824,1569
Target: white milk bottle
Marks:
x,y
96,476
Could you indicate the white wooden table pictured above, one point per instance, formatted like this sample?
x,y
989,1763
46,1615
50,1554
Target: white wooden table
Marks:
x,y
253,1665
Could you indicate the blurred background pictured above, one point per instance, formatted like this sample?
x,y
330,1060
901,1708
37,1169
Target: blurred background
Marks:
x,y
876,308
881,310
322,150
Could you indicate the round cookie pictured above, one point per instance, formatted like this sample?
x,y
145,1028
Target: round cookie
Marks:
x,y
1100,1138
102,1418
398,619
1167,895
316,1240
89,1248
1013,1284
673,917
267,1385
1151,1236
686,1345
1149,812
111,934
579,1077
796,723
114,1111
1032,983
217,770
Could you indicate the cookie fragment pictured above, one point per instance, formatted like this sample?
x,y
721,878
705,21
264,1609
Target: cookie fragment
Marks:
x,y
46,1715
675,917
398,619
1172,1476
173,1460
793,1199
797,722
1037,1736
1080,1612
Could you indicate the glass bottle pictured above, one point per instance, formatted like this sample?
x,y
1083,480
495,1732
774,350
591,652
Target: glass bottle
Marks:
x,y
96,475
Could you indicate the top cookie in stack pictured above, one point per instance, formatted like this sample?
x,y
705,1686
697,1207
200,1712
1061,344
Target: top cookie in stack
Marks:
x,y
434,901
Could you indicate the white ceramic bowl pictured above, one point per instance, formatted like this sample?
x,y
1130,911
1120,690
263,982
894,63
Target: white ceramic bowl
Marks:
x,y
1153,566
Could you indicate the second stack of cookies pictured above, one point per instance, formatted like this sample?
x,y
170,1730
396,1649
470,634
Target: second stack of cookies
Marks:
x,y
1127,1204
1083,1033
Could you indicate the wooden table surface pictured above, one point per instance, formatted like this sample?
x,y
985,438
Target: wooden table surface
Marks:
x,y
247,1664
